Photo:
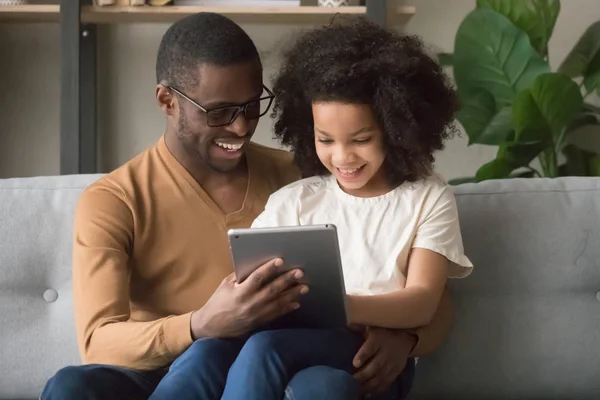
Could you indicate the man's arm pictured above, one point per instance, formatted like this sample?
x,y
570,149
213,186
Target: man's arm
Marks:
x,y
103,240
384,354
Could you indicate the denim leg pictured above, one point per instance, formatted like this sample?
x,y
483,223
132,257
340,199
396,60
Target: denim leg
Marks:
x,y
200,372
322,383
333,384
99,382
269,360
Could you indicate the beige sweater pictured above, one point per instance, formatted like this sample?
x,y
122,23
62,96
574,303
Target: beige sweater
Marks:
x,y
150,247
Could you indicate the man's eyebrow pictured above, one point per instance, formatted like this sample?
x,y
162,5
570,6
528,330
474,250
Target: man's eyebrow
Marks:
x,y
217,104
358,132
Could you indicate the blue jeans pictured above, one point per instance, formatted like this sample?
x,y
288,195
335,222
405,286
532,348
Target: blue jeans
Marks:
x,y
278,364
268,360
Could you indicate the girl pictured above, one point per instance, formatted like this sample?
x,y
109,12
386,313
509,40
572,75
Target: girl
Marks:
x,y
363,109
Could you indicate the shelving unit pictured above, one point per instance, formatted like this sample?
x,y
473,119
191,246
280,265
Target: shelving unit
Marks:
x,y
261,15
30,13
78,20
146,14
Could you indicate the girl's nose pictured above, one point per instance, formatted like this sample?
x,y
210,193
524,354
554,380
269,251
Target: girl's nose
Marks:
x,y
343,156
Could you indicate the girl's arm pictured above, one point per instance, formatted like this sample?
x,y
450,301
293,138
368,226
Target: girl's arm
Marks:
x,y
437,254
411,307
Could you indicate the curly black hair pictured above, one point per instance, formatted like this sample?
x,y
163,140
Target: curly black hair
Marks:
x,y
355,61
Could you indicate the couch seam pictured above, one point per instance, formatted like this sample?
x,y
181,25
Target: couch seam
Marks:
x,y
543,191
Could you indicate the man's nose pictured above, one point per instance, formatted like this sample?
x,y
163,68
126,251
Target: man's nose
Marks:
x,y
240,125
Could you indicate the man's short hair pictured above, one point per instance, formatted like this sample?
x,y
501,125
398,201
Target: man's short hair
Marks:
x,y
203,38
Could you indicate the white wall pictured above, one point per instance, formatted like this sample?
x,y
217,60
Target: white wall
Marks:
x,y
129,119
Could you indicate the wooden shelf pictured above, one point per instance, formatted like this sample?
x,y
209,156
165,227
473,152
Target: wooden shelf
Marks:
x,y
281,15
30,13
169,14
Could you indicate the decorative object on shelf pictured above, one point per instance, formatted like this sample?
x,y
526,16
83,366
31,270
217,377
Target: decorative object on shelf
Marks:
x,y
160,3
123,3
333,3
13,2
239,3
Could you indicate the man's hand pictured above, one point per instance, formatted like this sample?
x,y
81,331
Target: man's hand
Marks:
x,y
382,358
234,309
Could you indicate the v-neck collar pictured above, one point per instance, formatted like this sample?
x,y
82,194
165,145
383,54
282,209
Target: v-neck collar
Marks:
x,y
206,199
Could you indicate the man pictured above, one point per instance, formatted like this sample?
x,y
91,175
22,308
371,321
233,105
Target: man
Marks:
x,y
152,275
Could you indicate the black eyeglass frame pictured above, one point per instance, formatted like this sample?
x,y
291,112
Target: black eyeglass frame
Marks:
x,y
238,108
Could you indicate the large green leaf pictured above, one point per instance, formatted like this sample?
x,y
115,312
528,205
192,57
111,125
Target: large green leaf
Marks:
x,y
445,59
535,17
592,81
493,54
461,180
498,168
584,59
482,121
473,179
520,154
542,112
510,156
594,165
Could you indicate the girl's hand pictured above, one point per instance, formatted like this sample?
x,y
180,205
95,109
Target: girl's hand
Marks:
x,y
382,358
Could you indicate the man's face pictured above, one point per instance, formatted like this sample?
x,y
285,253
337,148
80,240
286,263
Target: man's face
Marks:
x,y
219,147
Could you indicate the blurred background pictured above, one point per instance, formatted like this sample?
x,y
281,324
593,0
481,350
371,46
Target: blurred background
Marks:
x,y
129,120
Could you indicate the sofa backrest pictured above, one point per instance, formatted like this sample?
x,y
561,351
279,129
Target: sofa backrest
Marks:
x,y
37,334
527,320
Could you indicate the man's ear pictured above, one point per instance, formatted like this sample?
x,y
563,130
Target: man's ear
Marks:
x,y
166,100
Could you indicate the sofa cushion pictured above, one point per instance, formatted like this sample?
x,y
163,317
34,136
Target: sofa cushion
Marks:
x,y
527,321
37,333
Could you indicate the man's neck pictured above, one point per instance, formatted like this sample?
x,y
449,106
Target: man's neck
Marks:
x,y
209,178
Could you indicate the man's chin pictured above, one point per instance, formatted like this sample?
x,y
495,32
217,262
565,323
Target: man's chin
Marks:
x,y
225,166
224,161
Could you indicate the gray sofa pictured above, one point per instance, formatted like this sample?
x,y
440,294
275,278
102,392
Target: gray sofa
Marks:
x,y
527,321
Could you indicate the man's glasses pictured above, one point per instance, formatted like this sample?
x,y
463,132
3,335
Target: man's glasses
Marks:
x,y
225,115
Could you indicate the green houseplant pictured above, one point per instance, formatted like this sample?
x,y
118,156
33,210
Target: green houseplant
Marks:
x,y
511,99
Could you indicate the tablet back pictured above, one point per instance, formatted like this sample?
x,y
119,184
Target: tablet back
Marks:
x,y
312,248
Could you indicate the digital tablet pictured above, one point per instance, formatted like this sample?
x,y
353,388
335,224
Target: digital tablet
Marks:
x,y
312,248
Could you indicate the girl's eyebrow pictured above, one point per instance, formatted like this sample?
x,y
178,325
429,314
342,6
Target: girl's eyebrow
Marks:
x,y
358,132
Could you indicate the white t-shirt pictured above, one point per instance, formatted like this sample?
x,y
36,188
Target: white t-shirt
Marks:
x,y
375,234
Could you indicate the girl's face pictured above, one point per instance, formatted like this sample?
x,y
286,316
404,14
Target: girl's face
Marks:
x,y
349,143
